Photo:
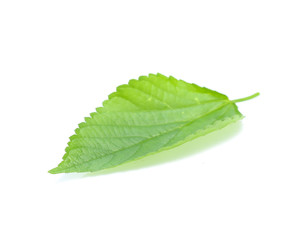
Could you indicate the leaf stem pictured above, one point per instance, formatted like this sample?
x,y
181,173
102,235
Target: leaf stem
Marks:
x,y
246,98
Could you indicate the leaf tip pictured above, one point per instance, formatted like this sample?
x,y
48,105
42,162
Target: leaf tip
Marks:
x,y
55,170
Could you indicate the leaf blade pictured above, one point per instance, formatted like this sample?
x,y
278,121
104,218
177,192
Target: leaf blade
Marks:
x,y
142,118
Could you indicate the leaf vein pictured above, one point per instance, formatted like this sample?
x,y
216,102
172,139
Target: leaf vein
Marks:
x,y
153,96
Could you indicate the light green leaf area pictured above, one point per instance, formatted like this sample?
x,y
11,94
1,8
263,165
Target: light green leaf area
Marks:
x,y
146,116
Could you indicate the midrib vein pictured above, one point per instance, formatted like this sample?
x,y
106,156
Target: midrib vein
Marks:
x,y
151,125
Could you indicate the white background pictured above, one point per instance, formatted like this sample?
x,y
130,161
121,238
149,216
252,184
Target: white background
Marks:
x,y
60,59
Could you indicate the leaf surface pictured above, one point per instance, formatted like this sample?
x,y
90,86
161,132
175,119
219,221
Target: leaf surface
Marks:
x,y
145,116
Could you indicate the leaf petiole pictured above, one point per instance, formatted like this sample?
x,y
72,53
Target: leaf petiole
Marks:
x,y
246,98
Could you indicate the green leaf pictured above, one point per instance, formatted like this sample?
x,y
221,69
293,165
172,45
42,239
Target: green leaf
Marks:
x,y
146,116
